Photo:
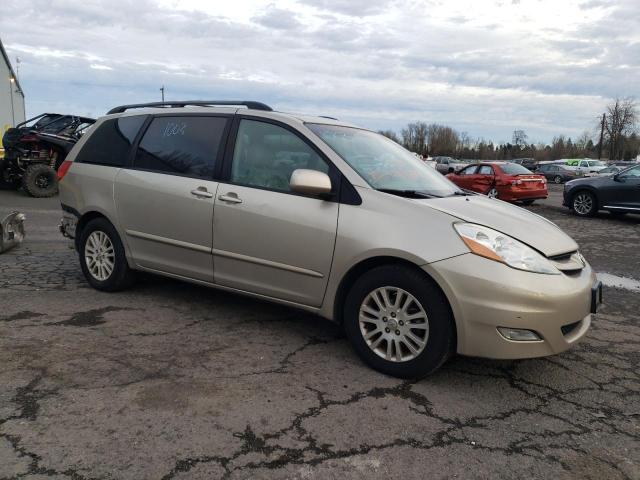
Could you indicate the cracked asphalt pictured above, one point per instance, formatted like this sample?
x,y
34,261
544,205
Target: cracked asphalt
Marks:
x,y
174,381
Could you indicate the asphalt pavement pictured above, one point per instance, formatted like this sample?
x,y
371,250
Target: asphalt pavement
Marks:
x,y
173,381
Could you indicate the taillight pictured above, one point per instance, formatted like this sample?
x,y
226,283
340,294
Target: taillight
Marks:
x,y
63,169
516,182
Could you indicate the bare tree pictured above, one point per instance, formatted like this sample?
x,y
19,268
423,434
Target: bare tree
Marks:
x,y
442,140
583,141
620,121
390,134
519,138
414,137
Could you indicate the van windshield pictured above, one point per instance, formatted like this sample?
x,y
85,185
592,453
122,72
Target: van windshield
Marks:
x,y
382,163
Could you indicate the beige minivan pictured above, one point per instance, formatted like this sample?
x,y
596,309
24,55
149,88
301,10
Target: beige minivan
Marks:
x,y
323,216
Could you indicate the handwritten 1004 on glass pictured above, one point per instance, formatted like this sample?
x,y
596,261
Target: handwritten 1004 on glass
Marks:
x,y
174,128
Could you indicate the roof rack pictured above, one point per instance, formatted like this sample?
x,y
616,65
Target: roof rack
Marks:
x,y
197,103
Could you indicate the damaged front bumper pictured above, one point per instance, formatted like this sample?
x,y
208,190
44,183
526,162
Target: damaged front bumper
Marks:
x,y
11,231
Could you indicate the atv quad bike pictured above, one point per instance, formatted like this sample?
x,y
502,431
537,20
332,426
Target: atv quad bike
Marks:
x,y
34,150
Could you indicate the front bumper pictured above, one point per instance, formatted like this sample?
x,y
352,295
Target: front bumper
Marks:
x,y
11,231
485,295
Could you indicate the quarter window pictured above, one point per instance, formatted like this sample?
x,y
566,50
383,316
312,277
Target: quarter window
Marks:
x,y
109,144
188,146
266,155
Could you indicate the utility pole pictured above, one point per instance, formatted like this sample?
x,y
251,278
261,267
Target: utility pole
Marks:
x,y
162,91
601,136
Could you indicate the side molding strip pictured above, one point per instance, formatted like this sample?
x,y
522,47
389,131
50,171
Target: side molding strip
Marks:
x,y
168,241
267,263
224,253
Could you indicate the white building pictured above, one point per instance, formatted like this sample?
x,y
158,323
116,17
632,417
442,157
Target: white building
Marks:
x,y
11,94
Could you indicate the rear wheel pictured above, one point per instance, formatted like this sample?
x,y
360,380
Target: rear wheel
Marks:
x,y
492,193
584,204
102,257
40,181
528,202
557,179
399,322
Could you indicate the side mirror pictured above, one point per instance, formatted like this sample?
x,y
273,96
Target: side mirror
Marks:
x,y
310,182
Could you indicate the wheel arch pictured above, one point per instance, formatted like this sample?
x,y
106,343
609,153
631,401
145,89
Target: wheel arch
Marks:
x,y
84,219
585,188
362,267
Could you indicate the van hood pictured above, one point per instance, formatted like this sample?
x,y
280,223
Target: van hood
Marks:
x,y
529,228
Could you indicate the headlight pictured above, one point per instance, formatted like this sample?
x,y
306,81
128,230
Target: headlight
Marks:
x,y
502,248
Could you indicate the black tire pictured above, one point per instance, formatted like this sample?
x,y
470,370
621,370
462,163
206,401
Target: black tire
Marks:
x,y
440,343
584,203
122,276
489,192
40,181
557,179
527,202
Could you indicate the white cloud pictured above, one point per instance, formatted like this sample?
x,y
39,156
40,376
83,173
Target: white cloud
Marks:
x,y
484,67
96,66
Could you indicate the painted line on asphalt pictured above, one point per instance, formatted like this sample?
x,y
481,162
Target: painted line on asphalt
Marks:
x,y
619,282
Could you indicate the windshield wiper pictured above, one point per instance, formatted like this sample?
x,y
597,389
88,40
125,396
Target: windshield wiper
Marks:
x,y
408,193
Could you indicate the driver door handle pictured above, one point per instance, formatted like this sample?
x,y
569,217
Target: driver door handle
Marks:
x,y
230,198
201,192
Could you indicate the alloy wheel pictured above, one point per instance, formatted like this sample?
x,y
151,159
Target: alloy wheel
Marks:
x,y
583,203
99,255
394,324
492,193
557,179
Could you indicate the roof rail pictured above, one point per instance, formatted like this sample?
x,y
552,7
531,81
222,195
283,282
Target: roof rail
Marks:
x,y
197,103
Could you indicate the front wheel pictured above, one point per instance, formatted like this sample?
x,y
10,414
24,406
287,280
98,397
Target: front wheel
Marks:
x,y
102,257
399,322
584,204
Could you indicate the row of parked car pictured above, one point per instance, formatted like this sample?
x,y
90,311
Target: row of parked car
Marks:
x,y
615,188
557,171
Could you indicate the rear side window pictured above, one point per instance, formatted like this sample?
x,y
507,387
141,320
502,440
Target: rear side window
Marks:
x,y
486,170
109,144
187,146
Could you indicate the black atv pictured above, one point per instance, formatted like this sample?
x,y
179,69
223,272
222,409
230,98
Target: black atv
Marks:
x,y
34,150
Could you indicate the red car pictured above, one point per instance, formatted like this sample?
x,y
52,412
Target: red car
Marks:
x,y
507,181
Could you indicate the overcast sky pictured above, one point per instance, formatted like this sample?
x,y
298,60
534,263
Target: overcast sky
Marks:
x,y
485,67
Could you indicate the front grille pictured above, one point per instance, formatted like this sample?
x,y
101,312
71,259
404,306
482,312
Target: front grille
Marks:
x,y
562,257
567,329
568,263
